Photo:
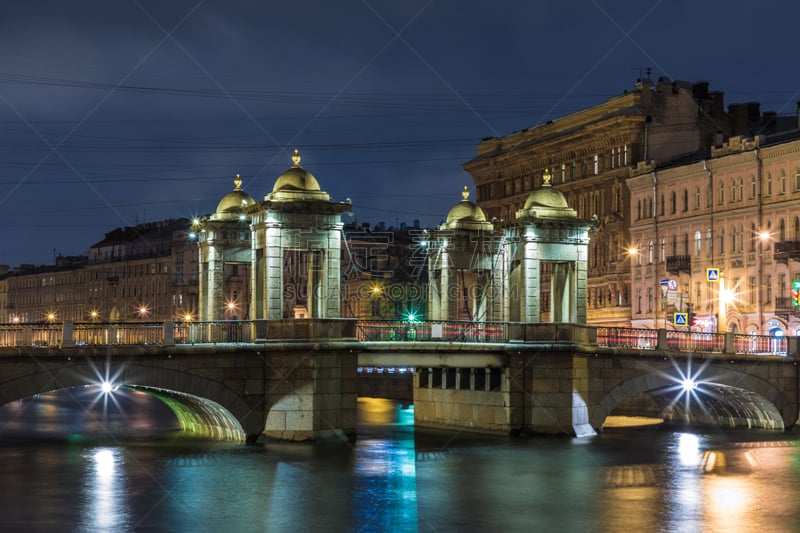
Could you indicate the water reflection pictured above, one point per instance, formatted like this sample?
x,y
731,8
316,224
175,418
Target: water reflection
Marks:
x,y
400,478
104,491
385,491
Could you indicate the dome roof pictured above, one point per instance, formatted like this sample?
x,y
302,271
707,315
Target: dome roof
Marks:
x,y
466,210
296,178
546,197
234,202
466,215
547,202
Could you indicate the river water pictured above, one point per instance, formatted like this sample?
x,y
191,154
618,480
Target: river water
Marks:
x,y
78,460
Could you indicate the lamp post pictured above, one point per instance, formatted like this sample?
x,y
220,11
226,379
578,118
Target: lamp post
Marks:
x,y
763,238
725,298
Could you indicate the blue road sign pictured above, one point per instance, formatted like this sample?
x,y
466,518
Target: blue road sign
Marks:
x,y
681,319
712,274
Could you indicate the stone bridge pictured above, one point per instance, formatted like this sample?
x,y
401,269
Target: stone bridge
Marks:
x,y
544,378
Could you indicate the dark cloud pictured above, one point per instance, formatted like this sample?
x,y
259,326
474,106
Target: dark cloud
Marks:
x,y
384,99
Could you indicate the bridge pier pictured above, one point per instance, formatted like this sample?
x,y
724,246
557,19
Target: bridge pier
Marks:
x,y
311,394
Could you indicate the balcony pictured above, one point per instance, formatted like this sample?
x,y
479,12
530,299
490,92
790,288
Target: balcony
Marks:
x,y
785,250
679,263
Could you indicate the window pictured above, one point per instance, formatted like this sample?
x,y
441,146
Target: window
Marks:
x,y
596,164
733,191
782,231
709,243
697,197
685,200
650,253
768,297
721,198
672,203
698,238
663,249
741,189
753,237
574,170
797,179
649,299
563,172
754,189
752,289
782,182
769,185
722,241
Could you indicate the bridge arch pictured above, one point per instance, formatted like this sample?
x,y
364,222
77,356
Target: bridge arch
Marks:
x,y
202,405
732,399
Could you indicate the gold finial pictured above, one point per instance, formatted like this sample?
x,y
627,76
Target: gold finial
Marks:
x,y
546,178
237,182
296,157
465,193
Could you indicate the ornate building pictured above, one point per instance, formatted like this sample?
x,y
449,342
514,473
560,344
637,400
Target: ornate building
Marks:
x,y
141,273
734,215
588,154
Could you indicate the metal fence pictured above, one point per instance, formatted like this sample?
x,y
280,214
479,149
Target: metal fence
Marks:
x,y
111,334
458,331
243,331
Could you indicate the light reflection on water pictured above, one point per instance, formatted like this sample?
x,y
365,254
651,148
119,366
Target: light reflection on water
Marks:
x,y
395,478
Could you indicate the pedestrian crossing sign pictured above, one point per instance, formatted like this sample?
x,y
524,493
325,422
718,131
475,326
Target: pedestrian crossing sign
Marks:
x,y
681,319
712,274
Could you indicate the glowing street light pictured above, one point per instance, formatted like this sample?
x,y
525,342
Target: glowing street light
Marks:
x,y
94,314
187,317
51,316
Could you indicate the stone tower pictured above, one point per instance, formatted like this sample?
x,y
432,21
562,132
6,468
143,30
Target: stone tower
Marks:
x,y
546,245
464,283
296,236
223,239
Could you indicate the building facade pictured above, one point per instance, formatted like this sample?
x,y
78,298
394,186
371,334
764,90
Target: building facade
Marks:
x,y
142,273
588,154
718,238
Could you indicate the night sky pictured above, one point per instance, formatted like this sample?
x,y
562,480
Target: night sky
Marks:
x,y
118,112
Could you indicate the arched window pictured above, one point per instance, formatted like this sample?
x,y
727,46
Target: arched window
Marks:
x,y
685,244
709,243
639,210
672,203
722,241
782,182
661,206
663,249
753,188
650,252
698,238
741,189
768,191
733,190
753,237
639,253
733,239
721,198
685,200
697,197
797,228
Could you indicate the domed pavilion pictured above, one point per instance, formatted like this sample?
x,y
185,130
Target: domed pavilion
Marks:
x,y
463,285
546,251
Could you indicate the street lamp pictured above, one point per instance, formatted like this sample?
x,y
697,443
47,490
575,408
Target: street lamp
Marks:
x,y
726,297
764,237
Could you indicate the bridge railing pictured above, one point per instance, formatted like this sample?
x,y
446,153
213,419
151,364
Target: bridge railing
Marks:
x,y
436,330
689,341
760,344
117,333
213,331
641,339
